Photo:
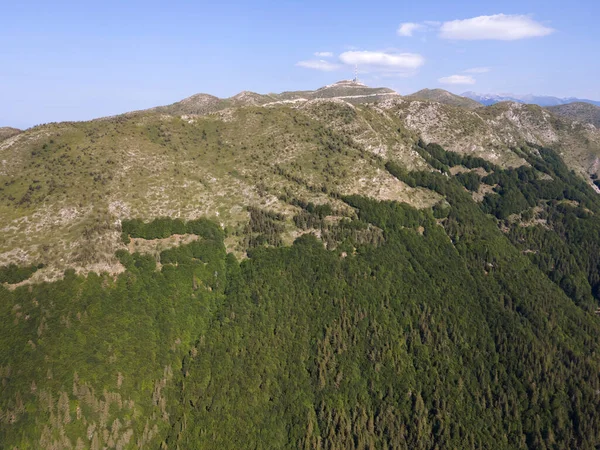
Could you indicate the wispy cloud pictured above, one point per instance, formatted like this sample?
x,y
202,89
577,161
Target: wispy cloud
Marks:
x,y
457,79
383,61
501,27
407,29
319,64
324,54
386,63
478,70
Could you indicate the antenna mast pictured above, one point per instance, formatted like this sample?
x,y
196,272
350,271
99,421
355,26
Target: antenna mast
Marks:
x,y
356,73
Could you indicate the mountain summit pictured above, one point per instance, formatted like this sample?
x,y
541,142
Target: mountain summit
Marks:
x,y
353,91
442,96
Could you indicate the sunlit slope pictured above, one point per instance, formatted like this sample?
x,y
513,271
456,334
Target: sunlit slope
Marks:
x,y
64,188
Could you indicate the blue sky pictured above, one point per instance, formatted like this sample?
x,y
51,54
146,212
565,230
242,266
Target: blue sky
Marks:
x,y
75,61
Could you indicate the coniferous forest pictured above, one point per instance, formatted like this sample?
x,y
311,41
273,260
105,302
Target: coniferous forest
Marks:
x,y
468,325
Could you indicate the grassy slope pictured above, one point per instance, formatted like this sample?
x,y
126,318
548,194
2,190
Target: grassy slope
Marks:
x,y
7,132
64,187
442,96
582,112
67,185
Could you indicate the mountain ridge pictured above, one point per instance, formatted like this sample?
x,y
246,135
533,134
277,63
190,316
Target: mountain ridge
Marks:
x,y
229,154
348,90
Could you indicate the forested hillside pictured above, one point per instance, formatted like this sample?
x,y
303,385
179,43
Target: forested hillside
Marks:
x,y
466,325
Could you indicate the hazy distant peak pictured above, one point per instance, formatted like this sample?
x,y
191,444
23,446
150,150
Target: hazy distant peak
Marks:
x,y
541,100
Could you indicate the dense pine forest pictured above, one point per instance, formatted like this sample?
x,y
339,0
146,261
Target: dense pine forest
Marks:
x,y
467,325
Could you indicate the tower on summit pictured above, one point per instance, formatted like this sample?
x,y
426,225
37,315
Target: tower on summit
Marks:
x,y
355,73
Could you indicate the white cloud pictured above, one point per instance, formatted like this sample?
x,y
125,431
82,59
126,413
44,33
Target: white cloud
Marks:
x,y
383,61
407,29
457,79
319,64
478,70
387,63
324,54
501,27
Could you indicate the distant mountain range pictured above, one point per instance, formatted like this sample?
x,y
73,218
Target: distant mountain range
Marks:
x,y
541,100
